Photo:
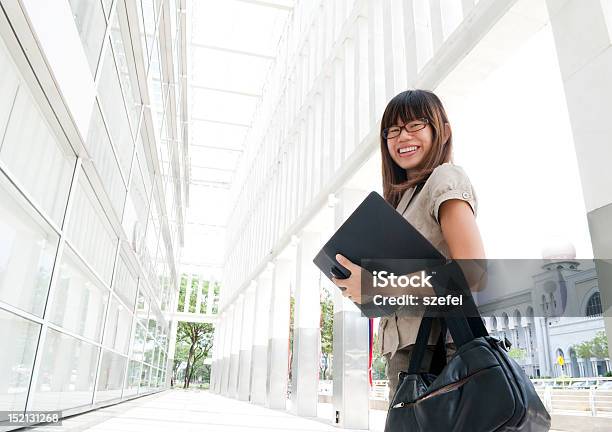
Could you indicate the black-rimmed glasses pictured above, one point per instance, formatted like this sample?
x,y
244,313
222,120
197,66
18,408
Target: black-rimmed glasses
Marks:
x,y
413,126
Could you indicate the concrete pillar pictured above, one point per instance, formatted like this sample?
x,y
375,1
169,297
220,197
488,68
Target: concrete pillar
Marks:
x,y
227,346
235,349
214,367
171,349
583,36
351,340
306,333
259,363
246,344
278,341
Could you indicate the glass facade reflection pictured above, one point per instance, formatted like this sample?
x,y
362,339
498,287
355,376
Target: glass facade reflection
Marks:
x,y
88,245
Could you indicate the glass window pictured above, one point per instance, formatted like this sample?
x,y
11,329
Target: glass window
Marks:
x,y
594,306
90,232
145,376
133,378
113,108
8,87
91,24
19,338
27,251
79,299
67,373
125,283
100,149
35,157
110,381
120,39
118,327
149,349
142,306
139,343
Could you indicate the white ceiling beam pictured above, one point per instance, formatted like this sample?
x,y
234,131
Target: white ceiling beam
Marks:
x,y
213,168
232,51
202,119
220,90
268,4
218,148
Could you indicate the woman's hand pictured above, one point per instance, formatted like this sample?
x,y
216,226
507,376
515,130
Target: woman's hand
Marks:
x,y
350,286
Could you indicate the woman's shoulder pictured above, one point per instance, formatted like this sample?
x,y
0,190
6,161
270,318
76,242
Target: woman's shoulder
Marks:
x,y
448,170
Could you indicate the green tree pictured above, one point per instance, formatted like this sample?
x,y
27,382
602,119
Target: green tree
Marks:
x,y
198,337
517,353
327,334
378,361
600,345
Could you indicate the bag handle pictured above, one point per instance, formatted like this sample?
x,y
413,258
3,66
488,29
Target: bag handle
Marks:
x,y
464,323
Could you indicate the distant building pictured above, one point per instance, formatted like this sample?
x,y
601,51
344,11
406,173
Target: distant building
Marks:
x,y
531,318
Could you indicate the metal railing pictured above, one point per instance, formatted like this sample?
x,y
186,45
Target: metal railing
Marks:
x,y
591,396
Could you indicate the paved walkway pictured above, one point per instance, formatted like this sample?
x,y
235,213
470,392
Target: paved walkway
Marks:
x,y
199,411
194,410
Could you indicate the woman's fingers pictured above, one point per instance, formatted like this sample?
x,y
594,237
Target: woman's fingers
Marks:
x,y
345,262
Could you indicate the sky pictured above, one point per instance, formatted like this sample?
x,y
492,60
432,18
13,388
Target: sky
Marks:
x,y
513,137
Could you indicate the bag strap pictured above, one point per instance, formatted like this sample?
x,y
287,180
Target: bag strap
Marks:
x,y
464,323
438,360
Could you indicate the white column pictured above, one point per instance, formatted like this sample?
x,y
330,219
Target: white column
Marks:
x,y
246,344
199,294
171,349
214,368
259,363
227,348
210,297
351,340
306,333
188,293
235,350
278,341
583,41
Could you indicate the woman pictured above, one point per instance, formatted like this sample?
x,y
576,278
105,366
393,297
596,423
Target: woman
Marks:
x,y
433,194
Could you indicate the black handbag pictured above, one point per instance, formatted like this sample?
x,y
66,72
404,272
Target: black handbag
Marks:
x,y
480,389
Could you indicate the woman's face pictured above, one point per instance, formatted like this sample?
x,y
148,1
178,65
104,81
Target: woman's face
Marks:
x,y
409,149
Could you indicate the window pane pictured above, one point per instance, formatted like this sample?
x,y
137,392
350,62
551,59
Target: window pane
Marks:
x,y
125,283
100,150
120,39
34,156
8,87
118,327
139,342
113,108
133,378
27,252
79,300
90,22
67,373
110,382
145,376
19,338
90,232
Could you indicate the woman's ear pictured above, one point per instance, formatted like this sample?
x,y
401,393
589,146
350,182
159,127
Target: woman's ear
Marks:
x,y
447,132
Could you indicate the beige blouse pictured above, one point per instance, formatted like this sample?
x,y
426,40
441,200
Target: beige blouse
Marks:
x,y
447,181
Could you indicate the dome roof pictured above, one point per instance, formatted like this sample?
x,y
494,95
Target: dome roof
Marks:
x,y
559,250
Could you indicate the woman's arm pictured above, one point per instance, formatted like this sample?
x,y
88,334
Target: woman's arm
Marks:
x,y
461,233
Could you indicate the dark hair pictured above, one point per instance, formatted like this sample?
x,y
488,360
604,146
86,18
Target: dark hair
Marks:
x,y
407,106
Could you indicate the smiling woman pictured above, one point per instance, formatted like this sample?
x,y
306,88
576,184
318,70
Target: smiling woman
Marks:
x,y
434,195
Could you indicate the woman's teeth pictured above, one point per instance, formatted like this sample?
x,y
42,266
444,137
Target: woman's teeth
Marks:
x,y
407,149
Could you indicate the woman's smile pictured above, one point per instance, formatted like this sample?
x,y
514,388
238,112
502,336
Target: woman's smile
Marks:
x,y
408,150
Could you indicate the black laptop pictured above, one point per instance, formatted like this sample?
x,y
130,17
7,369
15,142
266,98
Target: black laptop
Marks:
x,y
378,238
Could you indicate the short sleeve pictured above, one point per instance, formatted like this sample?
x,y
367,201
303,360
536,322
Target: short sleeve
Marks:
x,y
447,182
